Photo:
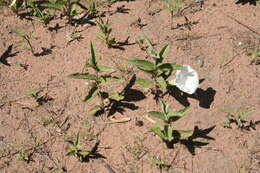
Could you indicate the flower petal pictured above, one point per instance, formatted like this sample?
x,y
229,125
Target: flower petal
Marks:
x,y
187,79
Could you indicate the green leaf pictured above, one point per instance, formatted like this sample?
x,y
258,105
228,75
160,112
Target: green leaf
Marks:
x,y
142,64
166,69
105,69
165,107
176,67
93,60
162,54
32,92
162,83
179,113
84,153
158,132
94,109
168,129
91,94
163,51
151,49
87,76
156,114
185,133
15,5
77,141
115,96
101,36
52,6
146,83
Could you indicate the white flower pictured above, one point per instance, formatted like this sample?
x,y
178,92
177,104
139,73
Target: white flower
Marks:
x,y
187,79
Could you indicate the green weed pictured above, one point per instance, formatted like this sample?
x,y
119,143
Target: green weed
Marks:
x,y
102,76
105,33
158,71
238,117
164,130
159,163
25,39
75,148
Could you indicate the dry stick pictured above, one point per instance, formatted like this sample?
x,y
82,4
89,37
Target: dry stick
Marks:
x,y
248,27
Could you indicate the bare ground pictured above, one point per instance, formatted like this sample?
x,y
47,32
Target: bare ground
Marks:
x,y
210,41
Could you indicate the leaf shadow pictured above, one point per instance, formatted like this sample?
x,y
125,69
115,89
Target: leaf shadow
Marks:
x,y
120,44
243,2
93,153
205,97
191,145
45,51
8,53
130,95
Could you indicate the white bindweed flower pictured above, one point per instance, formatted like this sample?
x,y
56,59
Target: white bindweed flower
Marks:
x,y
187,79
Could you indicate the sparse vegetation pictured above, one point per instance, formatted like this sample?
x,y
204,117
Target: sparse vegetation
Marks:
x,y
43,120
164,130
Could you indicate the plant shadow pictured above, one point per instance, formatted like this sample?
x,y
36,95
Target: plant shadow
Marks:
x,y
120,44
250,2
190,144
205,97
93,154
45,51
130,95
8,53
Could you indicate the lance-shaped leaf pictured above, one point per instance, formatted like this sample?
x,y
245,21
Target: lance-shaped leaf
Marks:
x,y
105,69
158,132
91,94
165,107
146,83
142,64
176,67
179,113
94,109
84,153
151,49
162,83
162,54
156,114
93,60
76,142
52,5
87,76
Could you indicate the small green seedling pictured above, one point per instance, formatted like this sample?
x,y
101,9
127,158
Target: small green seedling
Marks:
x,y
98,80
236,116
74,35
172,6
255,55
92,8
105,33
158,71
164,130
159,163
22,155
25,39
16,5
41,15
74,148
32,92
67,7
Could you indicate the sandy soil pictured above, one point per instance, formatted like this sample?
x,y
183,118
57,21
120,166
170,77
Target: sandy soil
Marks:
x,y
216,39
